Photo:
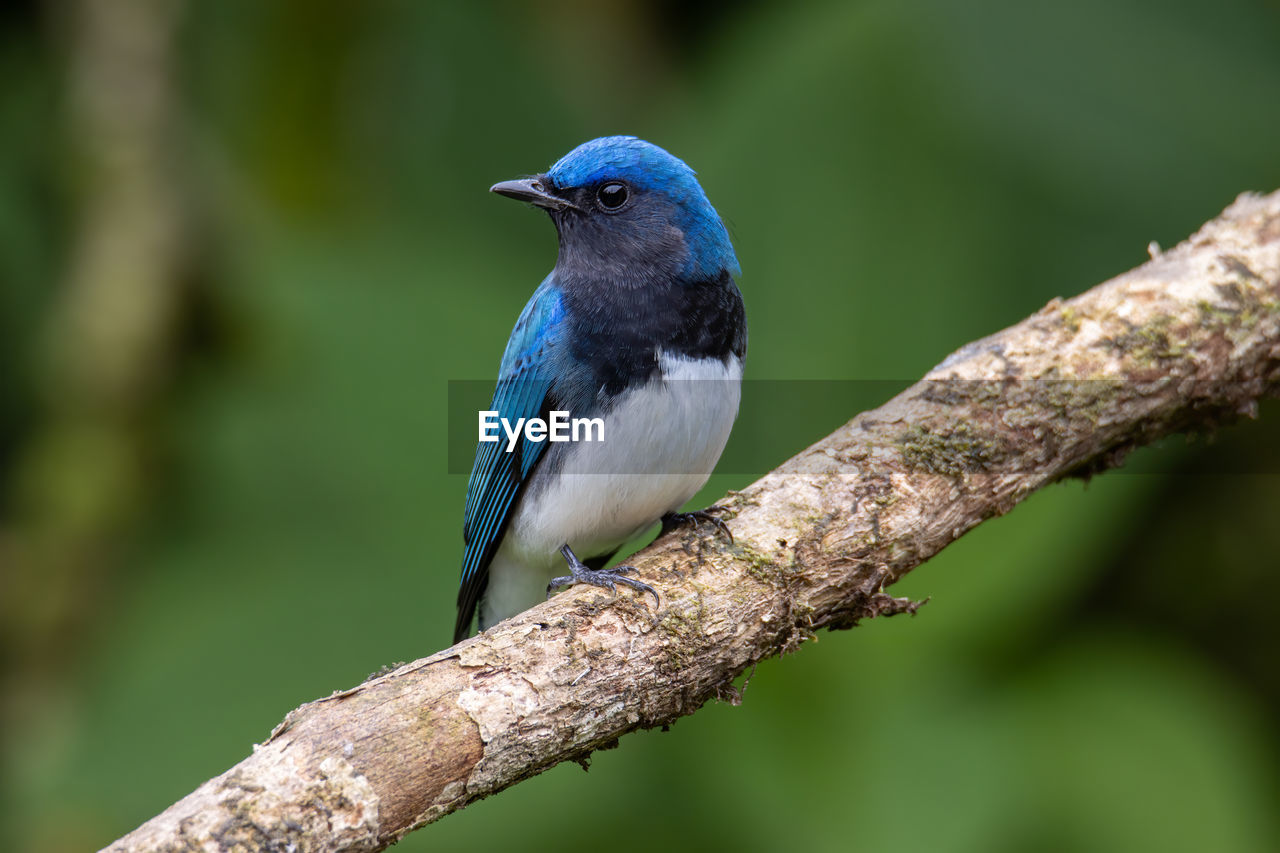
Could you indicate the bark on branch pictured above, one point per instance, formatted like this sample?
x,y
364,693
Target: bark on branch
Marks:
x,y
1186,341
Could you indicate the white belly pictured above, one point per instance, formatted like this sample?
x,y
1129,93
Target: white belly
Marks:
x,y
661,443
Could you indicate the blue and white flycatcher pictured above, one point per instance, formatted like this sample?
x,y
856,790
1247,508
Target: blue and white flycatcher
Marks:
x,y
639,325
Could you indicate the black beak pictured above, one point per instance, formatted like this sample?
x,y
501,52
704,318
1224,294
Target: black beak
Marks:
x,y
533,190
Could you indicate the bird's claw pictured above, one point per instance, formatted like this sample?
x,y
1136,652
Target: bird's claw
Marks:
x,y
672,520
606,578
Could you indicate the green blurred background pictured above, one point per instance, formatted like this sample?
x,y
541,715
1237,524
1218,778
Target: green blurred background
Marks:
x,y
245,246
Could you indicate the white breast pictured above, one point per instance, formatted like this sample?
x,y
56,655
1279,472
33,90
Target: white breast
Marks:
x,y
661,443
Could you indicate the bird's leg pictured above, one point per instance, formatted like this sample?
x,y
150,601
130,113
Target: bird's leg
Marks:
x,y
672,520
607,578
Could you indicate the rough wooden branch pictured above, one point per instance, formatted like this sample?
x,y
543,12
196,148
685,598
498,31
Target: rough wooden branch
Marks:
x,y
1186,340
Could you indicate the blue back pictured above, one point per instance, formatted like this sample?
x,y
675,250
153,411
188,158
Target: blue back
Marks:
x,y
524,380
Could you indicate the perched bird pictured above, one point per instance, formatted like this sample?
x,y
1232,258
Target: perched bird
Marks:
x,y
641,325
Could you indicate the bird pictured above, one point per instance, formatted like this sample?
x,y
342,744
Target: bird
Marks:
x,y
641,326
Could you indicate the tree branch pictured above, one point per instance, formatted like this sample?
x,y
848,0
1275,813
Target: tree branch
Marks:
x,y
1184,342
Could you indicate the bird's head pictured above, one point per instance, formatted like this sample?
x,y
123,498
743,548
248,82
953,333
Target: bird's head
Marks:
x,y
628,212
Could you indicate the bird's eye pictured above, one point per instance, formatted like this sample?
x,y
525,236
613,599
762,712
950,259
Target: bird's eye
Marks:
x,y
612,195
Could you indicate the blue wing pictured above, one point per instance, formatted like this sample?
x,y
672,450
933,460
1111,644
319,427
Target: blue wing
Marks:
x,y
497,477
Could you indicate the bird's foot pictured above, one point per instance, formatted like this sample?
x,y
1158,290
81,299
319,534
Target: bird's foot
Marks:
x,y
607,578
672,520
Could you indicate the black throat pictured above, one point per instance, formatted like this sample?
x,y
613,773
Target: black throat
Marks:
x,y
618,331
